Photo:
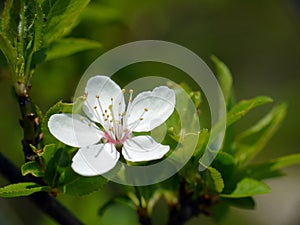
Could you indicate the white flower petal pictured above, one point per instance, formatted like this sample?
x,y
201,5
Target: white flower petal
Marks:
x,y
109,93
143,148
159,104
95,159
74,130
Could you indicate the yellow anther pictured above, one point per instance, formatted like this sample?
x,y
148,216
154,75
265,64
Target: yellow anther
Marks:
x,y
81,119
130,91
97,96
141,118
110,107
146,109
123,91
89,124
95,107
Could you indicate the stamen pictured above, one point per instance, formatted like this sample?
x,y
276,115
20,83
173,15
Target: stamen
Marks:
x,y
137,122
130,95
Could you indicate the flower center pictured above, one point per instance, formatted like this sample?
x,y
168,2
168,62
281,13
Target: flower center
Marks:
x,y
114,119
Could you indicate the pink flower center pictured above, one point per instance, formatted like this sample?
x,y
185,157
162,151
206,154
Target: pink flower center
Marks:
x,y
114,140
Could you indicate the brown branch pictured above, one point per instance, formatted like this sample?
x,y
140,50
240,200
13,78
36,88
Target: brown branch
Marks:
x,y
42,200
144,217
30,125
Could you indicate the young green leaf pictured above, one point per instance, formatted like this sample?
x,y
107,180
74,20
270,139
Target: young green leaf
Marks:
x,y
61,17
251,142
10,20
248,187
48,152
226,164
8,51
243,107
21,189
224,77
77,185
271,168
39,24
201,145
56,167
32,167
69,46
217,179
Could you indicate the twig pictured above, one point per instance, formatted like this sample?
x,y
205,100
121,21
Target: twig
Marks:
x,y
29,123
42,200
142,211
189,206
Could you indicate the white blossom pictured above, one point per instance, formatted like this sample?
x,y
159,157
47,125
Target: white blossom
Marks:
x,y
100,147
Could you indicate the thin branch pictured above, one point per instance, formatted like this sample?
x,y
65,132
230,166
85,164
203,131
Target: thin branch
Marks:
x,y
42,200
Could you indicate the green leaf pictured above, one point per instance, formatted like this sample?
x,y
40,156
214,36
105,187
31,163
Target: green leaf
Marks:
x,y
21,189
224,77
75,184
226,164
56,167
33,168
48,152
251,142
196,97
8,51
69,46
217,179
10,20
61,17
201,145
39,24
271,168
248,187
244,106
